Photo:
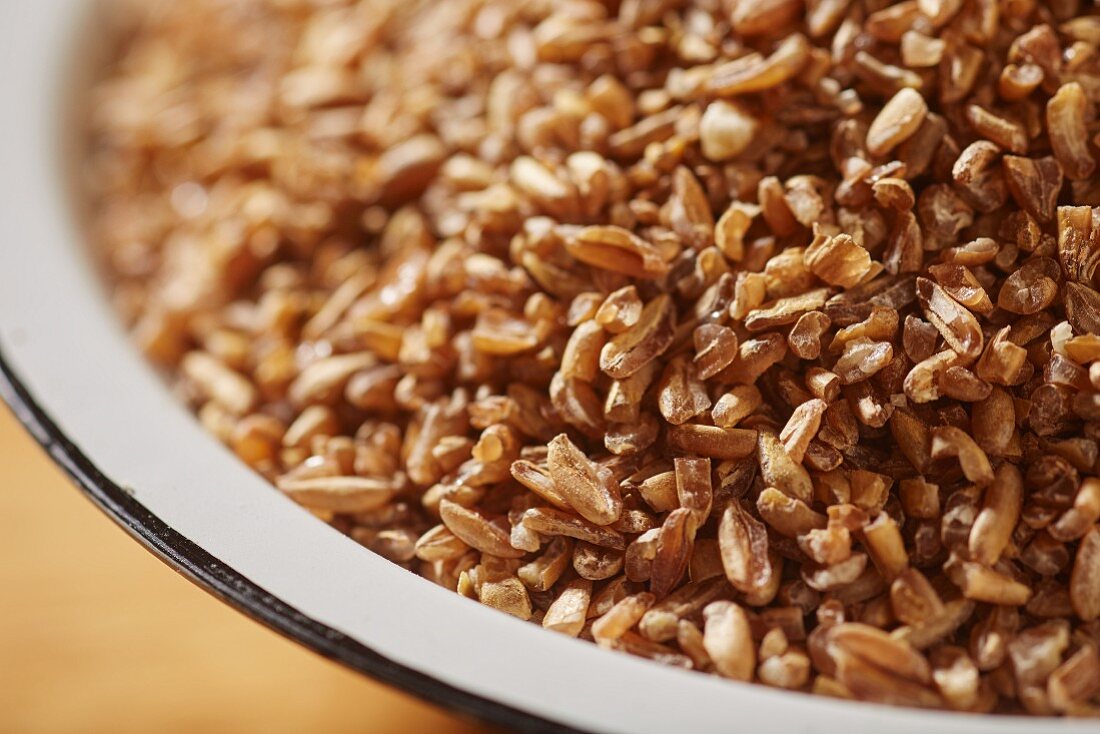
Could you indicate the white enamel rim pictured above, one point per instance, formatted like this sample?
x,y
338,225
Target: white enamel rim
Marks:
x,y
72,377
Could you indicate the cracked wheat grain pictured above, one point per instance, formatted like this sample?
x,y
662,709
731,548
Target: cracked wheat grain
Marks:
x,y
758,337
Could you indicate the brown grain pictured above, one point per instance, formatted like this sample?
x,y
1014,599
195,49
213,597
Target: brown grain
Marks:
x,y
753,337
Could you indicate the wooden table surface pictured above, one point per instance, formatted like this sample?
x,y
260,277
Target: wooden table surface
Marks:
x,y
97,635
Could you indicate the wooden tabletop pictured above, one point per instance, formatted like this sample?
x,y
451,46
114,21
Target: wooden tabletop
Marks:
x,y
97,635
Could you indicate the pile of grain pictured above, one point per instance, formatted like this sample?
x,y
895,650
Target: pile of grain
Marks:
x,y
758,337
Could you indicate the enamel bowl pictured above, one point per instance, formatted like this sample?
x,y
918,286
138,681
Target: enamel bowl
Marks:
x,y
71,376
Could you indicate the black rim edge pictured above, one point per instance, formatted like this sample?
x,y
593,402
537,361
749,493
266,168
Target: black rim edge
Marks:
x,y
233,587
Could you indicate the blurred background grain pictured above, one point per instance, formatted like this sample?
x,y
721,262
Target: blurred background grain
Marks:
x,y
97,635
